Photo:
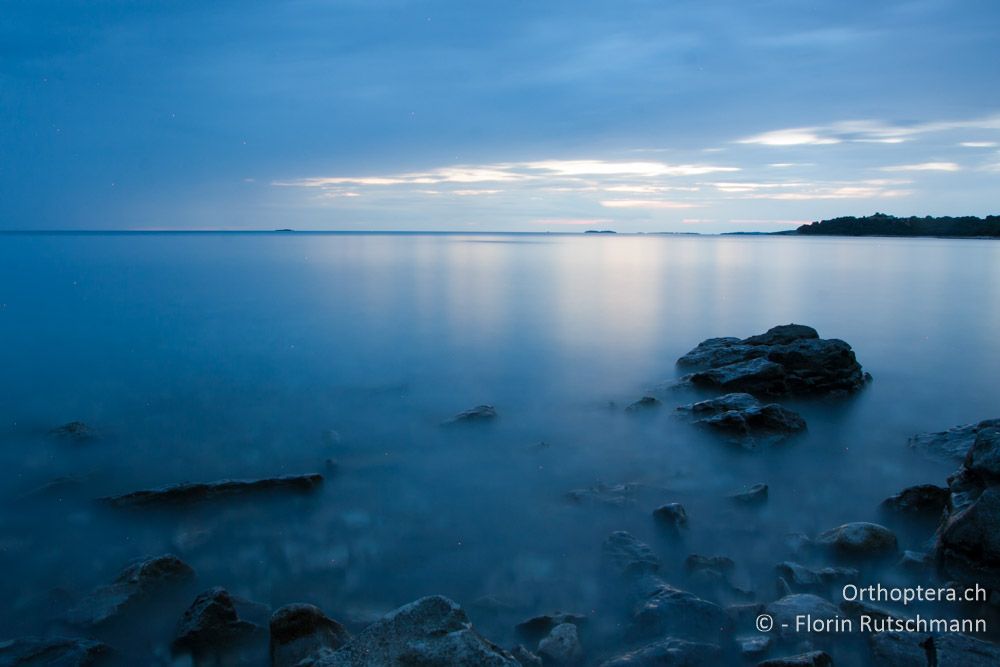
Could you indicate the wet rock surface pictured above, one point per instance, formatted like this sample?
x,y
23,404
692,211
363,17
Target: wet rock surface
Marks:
x,y
136,584
952,444
75,431
213,624
629,556
535,628
430,631
859,540
182,494
561,646
916,501
805,579
755,495
786,610
300,630
53,651
786,360
911,649
615,495
746,421
643,404
671,517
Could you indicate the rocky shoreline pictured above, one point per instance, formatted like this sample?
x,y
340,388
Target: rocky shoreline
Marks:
x,y
709,620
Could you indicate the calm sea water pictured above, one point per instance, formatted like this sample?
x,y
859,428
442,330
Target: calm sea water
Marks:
x,y
199,357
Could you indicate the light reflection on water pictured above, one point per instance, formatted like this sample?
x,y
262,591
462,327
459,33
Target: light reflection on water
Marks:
x,y
208,356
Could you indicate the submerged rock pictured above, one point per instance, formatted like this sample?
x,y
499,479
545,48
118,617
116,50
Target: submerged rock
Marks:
x,y
627,555
671,516
134,585
952,444
181,494
477,415
859,540
755,495
669,652
616,495
537,627
643,404
745,420
915,501
809,659
696,563
786,360
76,431
430,631
301,630
212,624
786,610
561,646
804,579
55,651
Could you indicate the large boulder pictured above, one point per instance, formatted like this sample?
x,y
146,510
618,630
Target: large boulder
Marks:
x,y
668,611
52,651
628,556
430,632
968,546
922,500
561,646
138,583
300,630
785,611
744,420
786,360
537,627
859,540
670,652
952,444
804,579
212,624
983,458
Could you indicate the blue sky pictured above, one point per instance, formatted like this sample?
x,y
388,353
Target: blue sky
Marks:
x,y
522,116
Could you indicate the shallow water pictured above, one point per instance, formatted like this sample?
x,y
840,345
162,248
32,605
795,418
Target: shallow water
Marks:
x,y
206,356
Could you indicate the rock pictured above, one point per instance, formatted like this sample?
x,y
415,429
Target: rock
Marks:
x,y
134,585
755,495
478,415
859,540
957,649
668,611
54,651
75,431
916,563
787,360
968,546
669,652
537,627
525,657
629,556
643,404
910,649
983,458
182,494
561,646
783,334
616,495
922,500
697,562
753,646
745,420
810,659
300,630
211,624
430,631
900,649
803,579
953,444
671,516
785,611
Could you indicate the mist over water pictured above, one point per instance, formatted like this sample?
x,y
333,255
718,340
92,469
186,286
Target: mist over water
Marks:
x,y
209,356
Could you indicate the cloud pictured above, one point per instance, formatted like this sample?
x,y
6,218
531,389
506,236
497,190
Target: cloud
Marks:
x,y
607,168
978,144
924,166
865,131
646,203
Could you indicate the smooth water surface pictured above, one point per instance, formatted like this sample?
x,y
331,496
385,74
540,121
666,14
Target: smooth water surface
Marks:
x,y
205,356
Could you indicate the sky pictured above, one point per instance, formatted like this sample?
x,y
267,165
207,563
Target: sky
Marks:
x,y
676,115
